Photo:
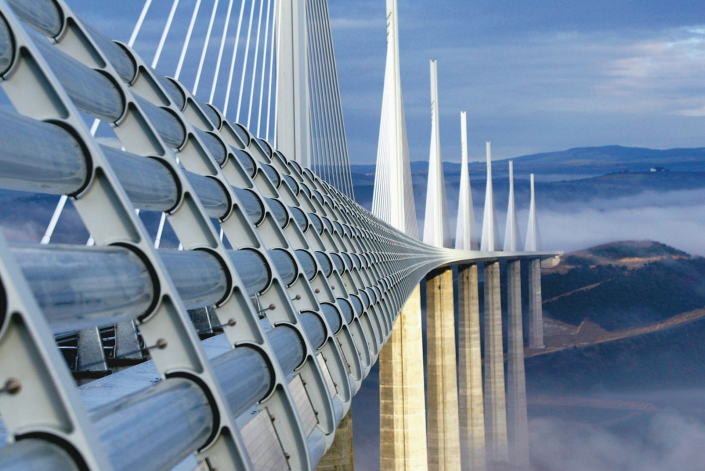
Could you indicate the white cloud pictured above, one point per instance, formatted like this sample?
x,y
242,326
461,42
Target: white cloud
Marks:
x,y
692,112
669,442
675,218
357,24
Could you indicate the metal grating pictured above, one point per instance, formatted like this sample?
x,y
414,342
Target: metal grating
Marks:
x,y
345,358
309,417
323,363
263,445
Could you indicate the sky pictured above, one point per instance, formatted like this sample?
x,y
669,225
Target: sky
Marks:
x,y
533,76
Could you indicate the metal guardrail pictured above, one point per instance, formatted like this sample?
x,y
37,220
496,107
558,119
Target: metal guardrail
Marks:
x,y
306,290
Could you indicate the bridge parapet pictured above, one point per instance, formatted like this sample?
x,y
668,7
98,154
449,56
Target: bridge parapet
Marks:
x,y
306,284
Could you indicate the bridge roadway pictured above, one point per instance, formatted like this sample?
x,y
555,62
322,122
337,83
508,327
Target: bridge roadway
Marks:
x,y
306,283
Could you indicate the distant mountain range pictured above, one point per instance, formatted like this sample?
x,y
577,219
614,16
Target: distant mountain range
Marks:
x,y
575,175
579,161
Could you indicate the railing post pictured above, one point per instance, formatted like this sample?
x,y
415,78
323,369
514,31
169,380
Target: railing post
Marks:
x,y
39,398
90,356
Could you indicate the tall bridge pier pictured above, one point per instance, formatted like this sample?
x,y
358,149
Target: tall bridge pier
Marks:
x,y
518,429
402,397
495,396
442,400
339,456
535,305
533,242
470,397
442,405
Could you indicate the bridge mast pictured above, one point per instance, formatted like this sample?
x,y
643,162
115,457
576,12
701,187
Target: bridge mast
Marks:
x,y
466,229
471,412
533,244
293,118
517,421
494,385
443,427
401,374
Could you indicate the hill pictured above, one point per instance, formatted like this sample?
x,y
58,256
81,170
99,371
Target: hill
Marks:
x,y
624,285
666,359
625,315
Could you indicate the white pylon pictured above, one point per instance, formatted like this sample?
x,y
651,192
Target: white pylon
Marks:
x,y
512,236
393,197
293,121
490,231
436,227
466,229
533,235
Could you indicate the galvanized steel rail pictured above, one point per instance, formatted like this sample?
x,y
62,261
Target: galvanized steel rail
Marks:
x,y
306,297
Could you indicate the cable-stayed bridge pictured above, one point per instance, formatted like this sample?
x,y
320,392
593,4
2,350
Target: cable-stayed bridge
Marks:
x,y
243,348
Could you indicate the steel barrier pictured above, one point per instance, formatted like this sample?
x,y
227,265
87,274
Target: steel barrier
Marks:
x,y
306,289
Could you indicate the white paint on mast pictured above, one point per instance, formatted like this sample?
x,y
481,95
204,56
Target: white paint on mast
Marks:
x,y
533,235
490,231
436,228
393,198
292,117
466,229
512,236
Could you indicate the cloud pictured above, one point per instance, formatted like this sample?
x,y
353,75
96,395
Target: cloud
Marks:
x,y
693,112
357,24
674,218
668,442
539,84
532,77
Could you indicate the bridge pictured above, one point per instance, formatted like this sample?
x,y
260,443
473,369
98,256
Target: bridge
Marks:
x,y
243,348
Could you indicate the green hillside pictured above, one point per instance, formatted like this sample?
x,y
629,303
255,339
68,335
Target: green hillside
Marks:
x,y
650,300
668,359
624,285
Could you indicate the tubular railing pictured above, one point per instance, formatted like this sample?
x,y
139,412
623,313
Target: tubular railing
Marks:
x,y
306,294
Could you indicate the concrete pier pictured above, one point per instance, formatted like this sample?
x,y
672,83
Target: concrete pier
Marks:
x,y
517,422
495,400
339,456
535,305
442,403
391,403
471,410
401,393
